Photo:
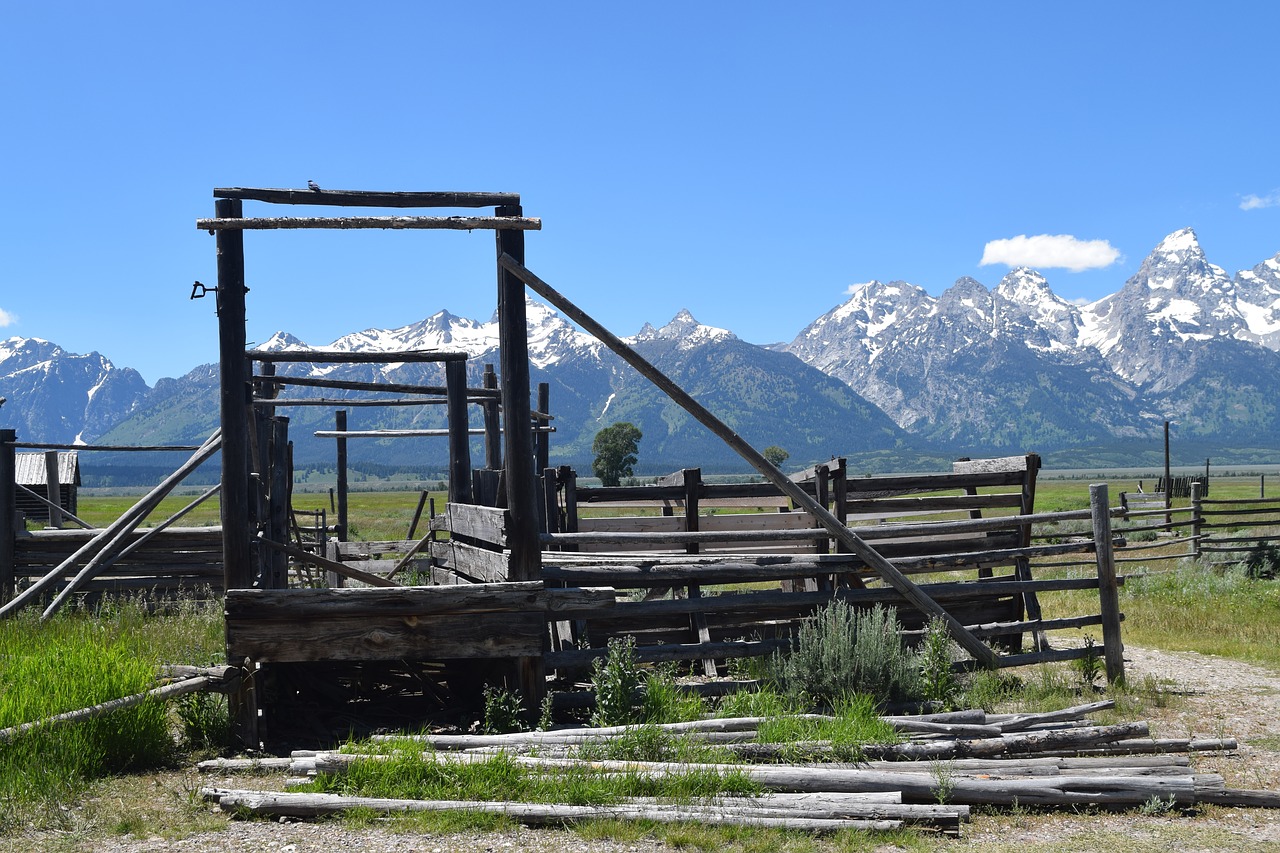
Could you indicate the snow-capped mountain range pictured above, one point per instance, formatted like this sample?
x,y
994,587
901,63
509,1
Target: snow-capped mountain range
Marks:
x,y
975,370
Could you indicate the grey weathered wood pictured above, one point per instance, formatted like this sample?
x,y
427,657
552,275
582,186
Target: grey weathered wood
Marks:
x,y
234,395
1108,588
384,387
168,691
53,488
482,523
8,510
362,638
315,356
266,803
367,198
521,473
479,564
448,223
459,445
411,600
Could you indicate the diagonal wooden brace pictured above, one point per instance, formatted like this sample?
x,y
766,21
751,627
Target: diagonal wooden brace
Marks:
x,y
841,533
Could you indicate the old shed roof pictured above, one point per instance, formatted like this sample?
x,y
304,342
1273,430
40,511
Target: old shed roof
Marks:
x,y
30,468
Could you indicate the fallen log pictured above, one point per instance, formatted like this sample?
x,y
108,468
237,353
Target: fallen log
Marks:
x,y
270,803
168,691
1061,790
1018,722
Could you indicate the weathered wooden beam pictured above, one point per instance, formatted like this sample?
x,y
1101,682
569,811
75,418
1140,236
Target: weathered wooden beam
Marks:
x,y
1108,588
235,392
389,387
367,198
8,511
521,475
335,357
364,638
422,601
447,223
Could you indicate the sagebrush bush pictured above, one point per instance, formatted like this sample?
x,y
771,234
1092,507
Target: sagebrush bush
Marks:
x,y
842,651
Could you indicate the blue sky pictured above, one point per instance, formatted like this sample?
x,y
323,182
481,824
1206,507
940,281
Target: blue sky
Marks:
x,y
746,161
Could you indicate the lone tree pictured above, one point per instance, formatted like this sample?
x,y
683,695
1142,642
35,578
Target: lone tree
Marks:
x,y
776,455
615,448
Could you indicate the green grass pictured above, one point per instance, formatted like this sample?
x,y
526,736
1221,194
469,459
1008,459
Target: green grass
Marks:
x,y
74,661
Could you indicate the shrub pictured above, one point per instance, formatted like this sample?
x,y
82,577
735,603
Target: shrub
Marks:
x,y
503,711
938,682
616,678
842,651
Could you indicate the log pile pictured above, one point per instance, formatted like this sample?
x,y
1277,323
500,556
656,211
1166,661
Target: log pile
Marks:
x,y
944,764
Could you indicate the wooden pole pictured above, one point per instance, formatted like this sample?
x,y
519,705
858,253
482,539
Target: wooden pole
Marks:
x,y
278,515
492,423
984,655
53,488
1108,588
499,223
340,423
455,374
542,439
1197,519
1168,479
526,562
8,513
235,394
521,476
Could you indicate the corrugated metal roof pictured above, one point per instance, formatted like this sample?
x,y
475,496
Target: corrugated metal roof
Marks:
x,y
30,468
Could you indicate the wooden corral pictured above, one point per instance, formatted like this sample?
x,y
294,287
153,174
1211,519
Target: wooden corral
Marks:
x,y
390,635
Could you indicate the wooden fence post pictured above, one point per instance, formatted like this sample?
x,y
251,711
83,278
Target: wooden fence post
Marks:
x,y
279,485
1197,520
8,512
340,424
1108,588
53,488
235,394
455,378
521,478
492,423
541,439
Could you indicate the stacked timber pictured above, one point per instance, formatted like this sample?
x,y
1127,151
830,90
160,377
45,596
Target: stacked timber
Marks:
x,y
945,764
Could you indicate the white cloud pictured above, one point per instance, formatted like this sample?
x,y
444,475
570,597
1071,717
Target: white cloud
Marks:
x,y
7,319
1049,251
853,288
1257,202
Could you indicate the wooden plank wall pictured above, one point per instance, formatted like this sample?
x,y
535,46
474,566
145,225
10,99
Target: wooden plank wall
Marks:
x,y
176,559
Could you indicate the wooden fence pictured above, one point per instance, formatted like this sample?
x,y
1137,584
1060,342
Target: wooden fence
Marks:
x,y
1221,531
706,590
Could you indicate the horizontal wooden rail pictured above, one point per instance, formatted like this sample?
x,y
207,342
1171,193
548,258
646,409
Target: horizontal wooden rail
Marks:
x,y
446,223
387,387
367,198
110,448
317,356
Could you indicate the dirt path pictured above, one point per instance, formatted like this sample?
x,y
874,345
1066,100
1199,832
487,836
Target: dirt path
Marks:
x,y
1210,697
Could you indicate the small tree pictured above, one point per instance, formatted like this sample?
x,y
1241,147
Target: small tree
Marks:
x,y
776,455
615,448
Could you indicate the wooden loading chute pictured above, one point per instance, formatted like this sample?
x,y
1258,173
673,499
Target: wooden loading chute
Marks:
x,y
506,541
